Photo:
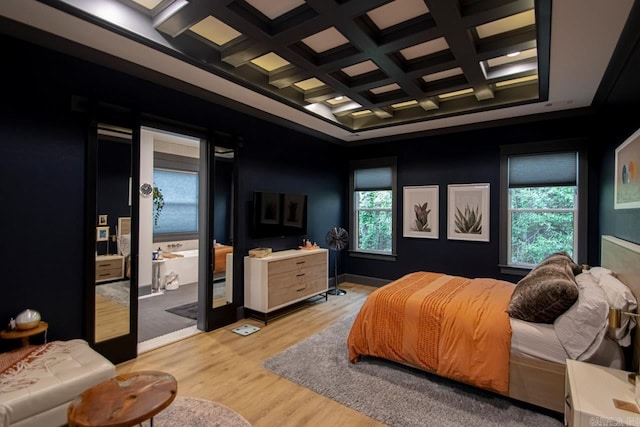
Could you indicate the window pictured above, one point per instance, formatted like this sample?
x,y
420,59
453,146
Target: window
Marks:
x,y
176,178
180,194
543,206
373,189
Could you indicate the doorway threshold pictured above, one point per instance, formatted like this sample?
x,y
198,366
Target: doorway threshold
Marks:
x,y
170,338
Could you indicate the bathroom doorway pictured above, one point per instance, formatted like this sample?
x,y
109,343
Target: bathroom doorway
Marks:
x,y
169,248
186,232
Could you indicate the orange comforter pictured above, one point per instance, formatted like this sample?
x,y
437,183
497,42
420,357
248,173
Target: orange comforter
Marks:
x,y
452,326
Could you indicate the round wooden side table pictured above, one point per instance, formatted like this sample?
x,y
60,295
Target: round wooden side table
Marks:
x,y
24,334
124,400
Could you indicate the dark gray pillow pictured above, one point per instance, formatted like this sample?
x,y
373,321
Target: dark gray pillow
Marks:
x,y
547,291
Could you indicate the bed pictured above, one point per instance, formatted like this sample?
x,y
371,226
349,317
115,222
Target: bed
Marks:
x,y
471,330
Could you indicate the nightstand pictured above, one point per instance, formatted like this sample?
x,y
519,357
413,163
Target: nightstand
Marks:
x,y
589,393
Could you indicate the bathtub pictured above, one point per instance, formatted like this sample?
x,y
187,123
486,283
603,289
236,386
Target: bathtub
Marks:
x,y
186,266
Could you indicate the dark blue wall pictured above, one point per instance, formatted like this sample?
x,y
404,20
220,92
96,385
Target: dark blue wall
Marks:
x,y
462,158
622,223
43,174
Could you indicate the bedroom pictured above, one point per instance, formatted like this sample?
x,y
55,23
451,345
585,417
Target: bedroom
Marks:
x,y
46,165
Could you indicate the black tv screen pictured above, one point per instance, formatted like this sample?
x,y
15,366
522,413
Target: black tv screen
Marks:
x,y
279,214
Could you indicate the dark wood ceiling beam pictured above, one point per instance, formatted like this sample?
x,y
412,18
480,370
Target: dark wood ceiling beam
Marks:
x,y
502,44
288,76
175,23
461,44
478,13
359,37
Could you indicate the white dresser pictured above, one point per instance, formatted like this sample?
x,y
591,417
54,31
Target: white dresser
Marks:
x,y
284,278
589,393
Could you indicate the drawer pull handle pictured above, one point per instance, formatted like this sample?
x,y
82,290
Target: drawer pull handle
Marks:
x,y
104,265
300,275
103,275
300,262
301,289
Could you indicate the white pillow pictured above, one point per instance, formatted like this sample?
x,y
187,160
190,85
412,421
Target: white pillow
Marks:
x,y
124,244
583,326
619,296
599,272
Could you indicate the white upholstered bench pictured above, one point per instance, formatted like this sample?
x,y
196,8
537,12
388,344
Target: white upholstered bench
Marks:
x,y
37,383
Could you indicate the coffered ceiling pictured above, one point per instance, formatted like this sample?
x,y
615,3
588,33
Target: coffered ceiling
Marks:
x,y
357,69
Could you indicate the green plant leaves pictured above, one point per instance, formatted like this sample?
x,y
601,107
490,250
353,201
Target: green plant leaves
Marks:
x,y
469,221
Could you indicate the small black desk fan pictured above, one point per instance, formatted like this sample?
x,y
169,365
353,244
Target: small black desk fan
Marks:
x,y
337,239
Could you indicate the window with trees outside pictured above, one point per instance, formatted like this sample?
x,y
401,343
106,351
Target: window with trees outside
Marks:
x,y
373,186
543,201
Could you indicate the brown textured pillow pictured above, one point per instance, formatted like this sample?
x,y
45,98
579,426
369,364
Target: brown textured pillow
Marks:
x,y
547,291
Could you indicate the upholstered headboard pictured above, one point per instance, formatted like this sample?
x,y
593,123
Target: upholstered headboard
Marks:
x,y
623,258
124,225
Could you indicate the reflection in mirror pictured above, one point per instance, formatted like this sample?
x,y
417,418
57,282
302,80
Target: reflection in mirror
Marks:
x,y
223,227
113,232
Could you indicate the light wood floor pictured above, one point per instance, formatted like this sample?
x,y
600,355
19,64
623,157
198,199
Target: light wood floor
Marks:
x,y
227,367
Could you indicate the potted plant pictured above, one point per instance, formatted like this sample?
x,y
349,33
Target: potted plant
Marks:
x,y
158,204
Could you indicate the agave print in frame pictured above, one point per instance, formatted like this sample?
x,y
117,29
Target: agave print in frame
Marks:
x,y
420,211
468,212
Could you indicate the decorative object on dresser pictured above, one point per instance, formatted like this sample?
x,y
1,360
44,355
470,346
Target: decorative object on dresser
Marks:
x,y
282,279
337,239
260,252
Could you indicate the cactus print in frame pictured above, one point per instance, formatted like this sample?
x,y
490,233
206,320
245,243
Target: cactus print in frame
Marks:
x,y
468,212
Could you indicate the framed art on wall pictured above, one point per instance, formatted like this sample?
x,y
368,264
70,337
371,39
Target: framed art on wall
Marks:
x,y
627,182
102,219
420,212
102,234
468,212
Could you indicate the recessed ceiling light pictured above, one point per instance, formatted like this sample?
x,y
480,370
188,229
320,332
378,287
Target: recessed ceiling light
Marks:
x,y
512,54
455,93
405,104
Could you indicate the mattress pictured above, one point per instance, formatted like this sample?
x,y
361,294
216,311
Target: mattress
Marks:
x,y
539,341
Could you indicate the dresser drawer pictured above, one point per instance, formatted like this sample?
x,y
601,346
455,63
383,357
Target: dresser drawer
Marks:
x,y
109,267
293,292
108,264
108,273
289,278
296,264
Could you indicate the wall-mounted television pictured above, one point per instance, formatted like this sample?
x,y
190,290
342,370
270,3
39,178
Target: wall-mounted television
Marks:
x,y
278,214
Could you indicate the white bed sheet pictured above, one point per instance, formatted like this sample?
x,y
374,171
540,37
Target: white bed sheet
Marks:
x,y
539,341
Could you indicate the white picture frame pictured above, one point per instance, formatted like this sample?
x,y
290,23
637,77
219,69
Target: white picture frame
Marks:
x,y
102,234
626,193
468,212
420,214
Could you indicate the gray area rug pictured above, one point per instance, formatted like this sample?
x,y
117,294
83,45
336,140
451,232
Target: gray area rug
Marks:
x,y
395,394
115,291
190,311
193,412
